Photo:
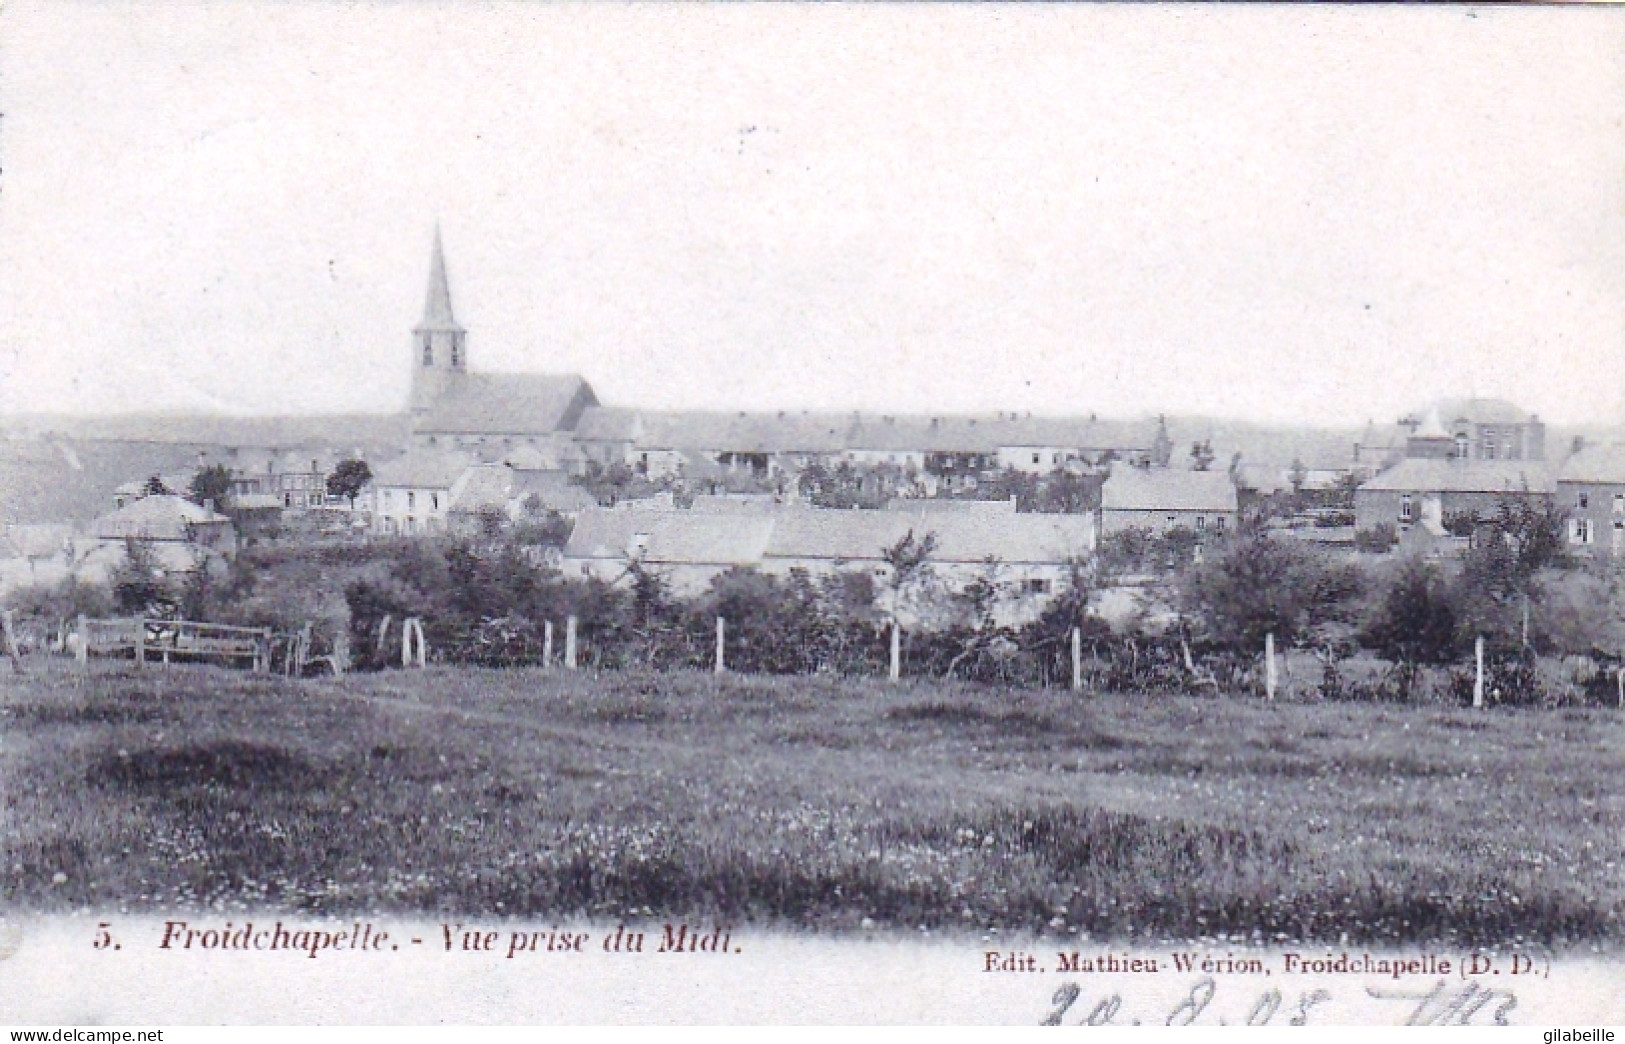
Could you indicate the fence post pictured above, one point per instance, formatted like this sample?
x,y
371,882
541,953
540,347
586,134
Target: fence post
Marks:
x,y
380,645
722,630
1269,665
896,652
406,642
1478,676
1077,659
262,662
140,642
1619,675
423,643
547,645
11,644
569,643
82,653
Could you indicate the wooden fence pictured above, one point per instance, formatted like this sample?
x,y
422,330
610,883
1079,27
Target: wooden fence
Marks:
x,y
146,638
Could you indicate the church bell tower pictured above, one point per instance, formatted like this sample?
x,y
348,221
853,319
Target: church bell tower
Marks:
x,y
438,344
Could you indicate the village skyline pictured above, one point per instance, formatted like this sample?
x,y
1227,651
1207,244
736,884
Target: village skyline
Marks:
x,y
1103,213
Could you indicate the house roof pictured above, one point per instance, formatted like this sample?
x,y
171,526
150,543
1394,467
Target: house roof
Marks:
x,y
554,489
734,503
609,424
933,505
508,403
1480,411
1167,489
1463,476
813,533
687,537
482,487
155,518
669,537
1602,463
421,469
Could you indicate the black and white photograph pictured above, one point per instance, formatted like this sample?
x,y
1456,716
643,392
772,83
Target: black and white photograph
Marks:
x,y
1073,515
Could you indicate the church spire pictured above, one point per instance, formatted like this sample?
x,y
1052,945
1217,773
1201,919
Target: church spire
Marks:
x,y
440,354
437,306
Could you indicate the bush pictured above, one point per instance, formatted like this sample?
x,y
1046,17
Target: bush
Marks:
x,y
1376,540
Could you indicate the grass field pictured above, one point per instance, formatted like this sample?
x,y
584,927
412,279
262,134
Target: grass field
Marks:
x,y
811,804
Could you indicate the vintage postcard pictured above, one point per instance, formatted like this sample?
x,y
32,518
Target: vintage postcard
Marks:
x,y
1071,515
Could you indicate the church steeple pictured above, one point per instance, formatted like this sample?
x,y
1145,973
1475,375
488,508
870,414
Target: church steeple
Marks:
x,y
437,315
438,342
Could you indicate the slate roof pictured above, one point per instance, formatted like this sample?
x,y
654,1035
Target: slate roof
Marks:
x,y
669,537
482,487
1167,489
1480,411
508,403
1464,476
437,302
1595,464
554,488
687,537
933,506
154,518
422,469
609,424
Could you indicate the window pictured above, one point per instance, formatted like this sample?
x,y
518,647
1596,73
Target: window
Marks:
x,y
1579,531
1585,501
434,500
1201,523
1619,503
411,500
1218,524
1038,585
1406,511
428,351
1035,458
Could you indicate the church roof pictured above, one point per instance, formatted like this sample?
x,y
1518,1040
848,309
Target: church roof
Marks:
x,y
437,306
508,404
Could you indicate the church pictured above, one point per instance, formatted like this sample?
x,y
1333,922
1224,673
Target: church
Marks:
x,y
490,415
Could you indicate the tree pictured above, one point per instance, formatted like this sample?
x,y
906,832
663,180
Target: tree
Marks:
x,y
1496,586
1415,621
1256,585
910,561
138,583
348,479
211,485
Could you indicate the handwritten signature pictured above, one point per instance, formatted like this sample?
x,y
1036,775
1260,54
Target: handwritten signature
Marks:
x,y
1443,1005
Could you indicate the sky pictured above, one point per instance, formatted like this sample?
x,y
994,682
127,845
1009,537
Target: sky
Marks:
x,y
1306,215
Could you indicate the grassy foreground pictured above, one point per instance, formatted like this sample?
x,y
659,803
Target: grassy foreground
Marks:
x,y
810,803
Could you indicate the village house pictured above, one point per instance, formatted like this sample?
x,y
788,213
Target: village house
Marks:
x,y
1029,558
168,519
1164,499
1440,480
1591,490
411,494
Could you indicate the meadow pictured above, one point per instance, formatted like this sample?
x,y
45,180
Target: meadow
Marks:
x,y
811,804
